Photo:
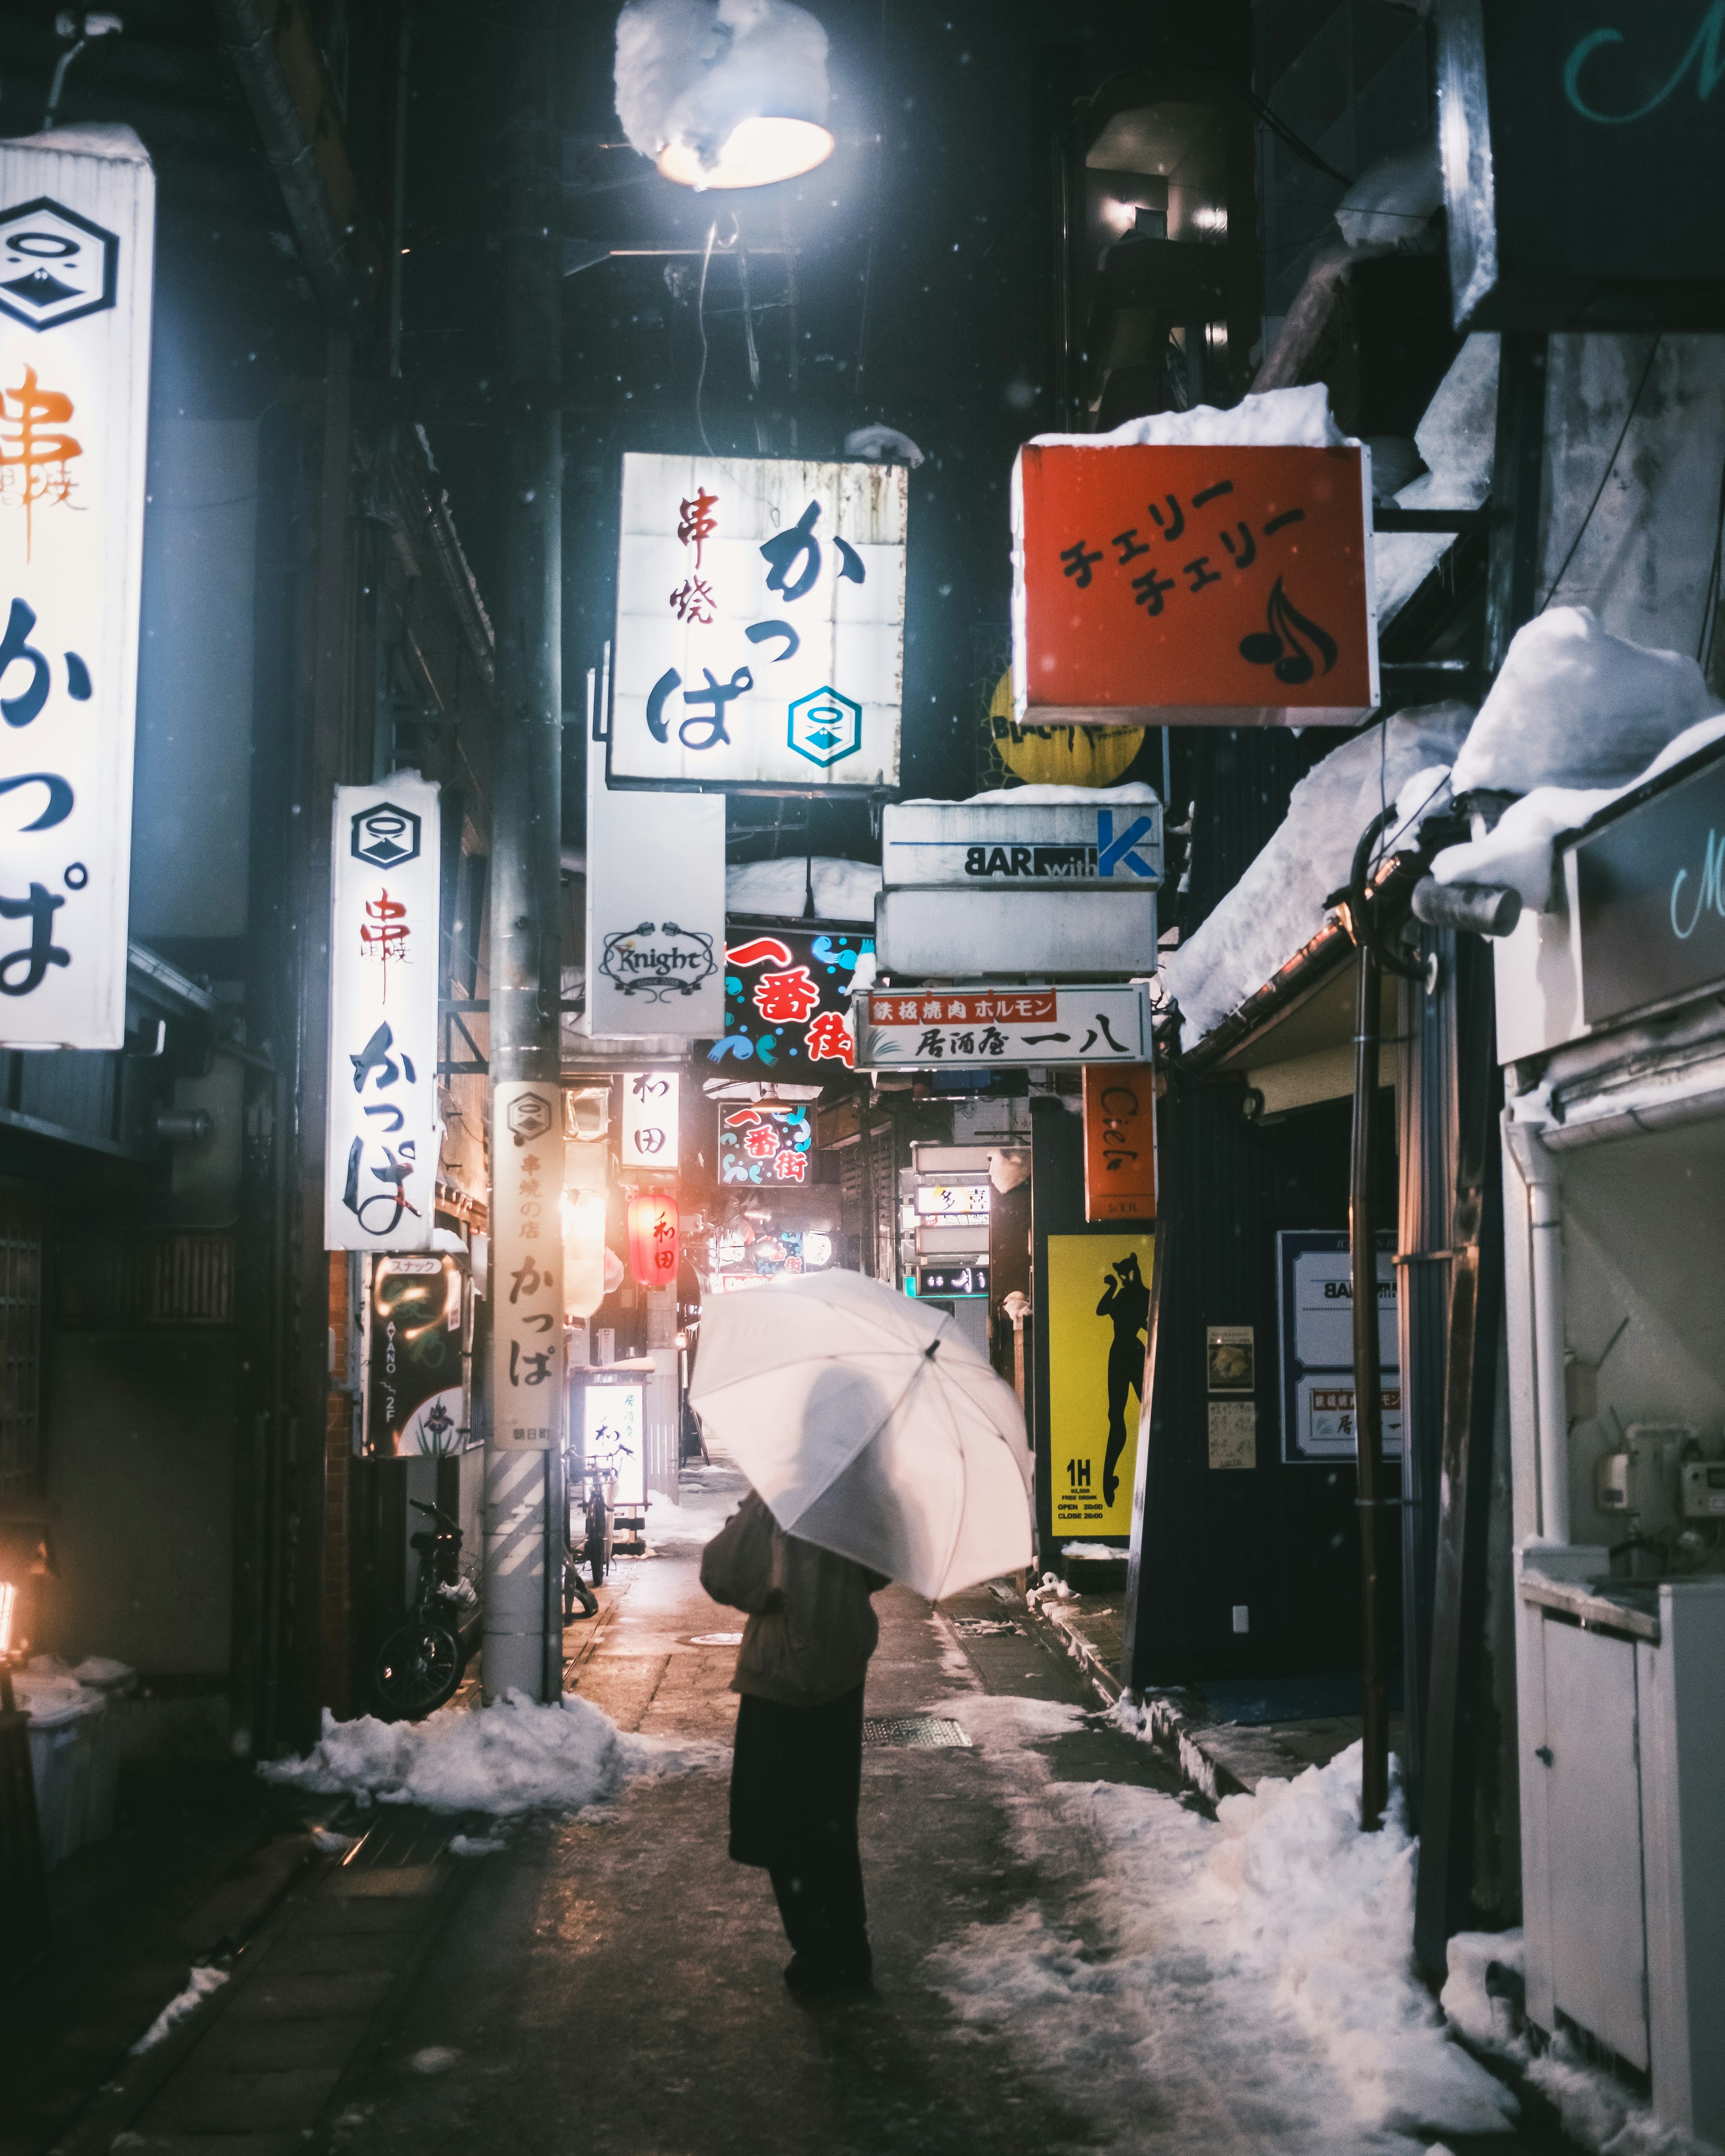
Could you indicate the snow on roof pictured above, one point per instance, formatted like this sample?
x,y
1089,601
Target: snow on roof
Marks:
x,y
1135,795
1576,719
1297,419
844,891
1278,905
1456,438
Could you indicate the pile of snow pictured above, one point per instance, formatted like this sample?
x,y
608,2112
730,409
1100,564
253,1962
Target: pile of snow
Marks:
x,y
844,891
199,1985
877,445
1278,905
1456,438
1394,200
1597,2113
1135,795
1099,1553
1250,1979
1296,418
690,71
1571,723
517,1756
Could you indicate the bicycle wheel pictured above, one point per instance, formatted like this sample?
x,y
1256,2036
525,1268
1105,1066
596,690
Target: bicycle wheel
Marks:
x,y
418,1668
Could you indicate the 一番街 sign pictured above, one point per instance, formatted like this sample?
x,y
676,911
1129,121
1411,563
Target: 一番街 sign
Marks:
x,y
1225,585
380,1172
760,624
77,231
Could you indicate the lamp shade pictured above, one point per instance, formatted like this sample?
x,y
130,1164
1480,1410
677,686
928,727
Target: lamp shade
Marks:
x,y
724,93
584,1252
653,1239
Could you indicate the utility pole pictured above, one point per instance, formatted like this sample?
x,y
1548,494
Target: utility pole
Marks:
x,y
524,1473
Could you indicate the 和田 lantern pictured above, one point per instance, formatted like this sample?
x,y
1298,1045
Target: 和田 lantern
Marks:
x,y
653,1239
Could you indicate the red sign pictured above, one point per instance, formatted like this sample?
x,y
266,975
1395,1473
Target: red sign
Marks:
x,y
929,1008
652,1240
1225,586
1119,1142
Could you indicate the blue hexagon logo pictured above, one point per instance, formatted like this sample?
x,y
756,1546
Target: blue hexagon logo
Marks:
x,y
825,727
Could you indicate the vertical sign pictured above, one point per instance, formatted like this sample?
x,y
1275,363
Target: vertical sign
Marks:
x,y
528,1293
414,1401
77,233
656,913
649,1118
760,624
1119,1142
379,1171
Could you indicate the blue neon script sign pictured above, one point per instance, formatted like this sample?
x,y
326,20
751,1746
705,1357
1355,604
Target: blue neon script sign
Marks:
x,y
1710,896
1705,55
1648,895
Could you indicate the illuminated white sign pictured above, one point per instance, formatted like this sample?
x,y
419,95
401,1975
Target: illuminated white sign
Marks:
x,y
77,233
656,913
949,1203
649,1118
760,622
613,1439
380,1170
528,1169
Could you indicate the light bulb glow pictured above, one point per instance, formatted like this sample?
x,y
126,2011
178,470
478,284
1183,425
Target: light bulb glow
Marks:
x,y
8,1606
756,153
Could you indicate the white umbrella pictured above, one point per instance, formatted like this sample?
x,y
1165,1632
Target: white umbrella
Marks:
x,y
871,1426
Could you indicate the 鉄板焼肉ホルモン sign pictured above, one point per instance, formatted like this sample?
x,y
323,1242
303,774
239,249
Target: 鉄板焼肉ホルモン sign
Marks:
x,y
1228,585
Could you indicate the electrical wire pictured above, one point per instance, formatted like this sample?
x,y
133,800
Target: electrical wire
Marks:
x,y
1604,476
713,233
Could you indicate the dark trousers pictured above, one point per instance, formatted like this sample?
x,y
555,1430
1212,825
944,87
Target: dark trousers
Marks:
x,y
820,1900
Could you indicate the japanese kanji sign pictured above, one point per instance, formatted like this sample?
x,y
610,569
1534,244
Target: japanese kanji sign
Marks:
x,y
380,1172
1119,1143
944,1029
787,1003
77,229
760,624
759,1143
649,1118
527,1280
1226,586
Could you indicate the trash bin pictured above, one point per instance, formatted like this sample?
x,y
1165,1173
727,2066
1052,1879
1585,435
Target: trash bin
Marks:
x,y
112,1681
64,1719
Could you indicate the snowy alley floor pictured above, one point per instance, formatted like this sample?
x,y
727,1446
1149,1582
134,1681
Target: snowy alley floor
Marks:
x,y
1069,1955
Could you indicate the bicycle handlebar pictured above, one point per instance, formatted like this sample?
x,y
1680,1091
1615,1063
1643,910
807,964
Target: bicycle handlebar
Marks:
x,y
435,1511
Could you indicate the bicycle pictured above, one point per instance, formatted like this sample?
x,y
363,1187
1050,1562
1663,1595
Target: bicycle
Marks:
x,y
423,1660
595,1545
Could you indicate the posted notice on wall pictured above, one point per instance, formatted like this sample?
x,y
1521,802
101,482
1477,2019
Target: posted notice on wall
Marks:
x,y
1315,1306
77,233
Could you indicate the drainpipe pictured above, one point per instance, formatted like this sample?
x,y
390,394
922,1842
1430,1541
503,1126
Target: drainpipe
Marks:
x,y
1539,1171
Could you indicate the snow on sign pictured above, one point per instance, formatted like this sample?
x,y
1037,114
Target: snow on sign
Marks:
x,y
941,1029
1226,585
380,1169
760,624
77,229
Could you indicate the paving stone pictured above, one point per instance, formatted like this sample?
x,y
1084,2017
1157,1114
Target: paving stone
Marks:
x,y
201,2102
276,2047
309,1998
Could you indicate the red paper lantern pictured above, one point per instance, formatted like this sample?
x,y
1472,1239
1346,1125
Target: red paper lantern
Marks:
x,y
653,1239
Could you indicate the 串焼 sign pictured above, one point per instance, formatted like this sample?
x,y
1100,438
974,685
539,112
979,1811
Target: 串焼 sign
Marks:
x,y
1223,585
760,624
380,1172
77,233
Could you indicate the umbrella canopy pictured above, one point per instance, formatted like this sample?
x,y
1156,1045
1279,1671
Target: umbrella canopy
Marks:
x,y
871,1426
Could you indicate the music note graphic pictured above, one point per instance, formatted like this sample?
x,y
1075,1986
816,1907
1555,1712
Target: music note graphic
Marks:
x,y
1283,643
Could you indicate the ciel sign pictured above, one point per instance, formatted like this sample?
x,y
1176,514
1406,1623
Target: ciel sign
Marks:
x,y
77,227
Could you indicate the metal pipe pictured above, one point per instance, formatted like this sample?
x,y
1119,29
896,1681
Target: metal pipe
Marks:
x,y
1551,1392
1369,1394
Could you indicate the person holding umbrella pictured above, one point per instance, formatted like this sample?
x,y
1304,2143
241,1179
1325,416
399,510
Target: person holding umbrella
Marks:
x,y
881,1446
796,1776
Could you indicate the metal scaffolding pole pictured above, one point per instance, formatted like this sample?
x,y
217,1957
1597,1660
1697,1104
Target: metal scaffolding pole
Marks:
x,y
524,1493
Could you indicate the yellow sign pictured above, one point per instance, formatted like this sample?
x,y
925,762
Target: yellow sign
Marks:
x,y
1059,756
1096,1321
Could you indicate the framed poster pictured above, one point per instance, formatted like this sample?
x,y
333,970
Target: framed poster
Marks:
x,y
1315,1319
1096,1318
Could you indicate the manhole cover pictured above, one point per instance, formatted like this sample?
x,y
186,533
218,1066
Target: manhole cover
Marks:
x,y
925,1733
985,1628
715,1640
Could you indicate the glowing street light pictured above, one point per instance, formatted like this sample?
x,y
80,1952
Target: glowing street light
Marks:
x,y
724,93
